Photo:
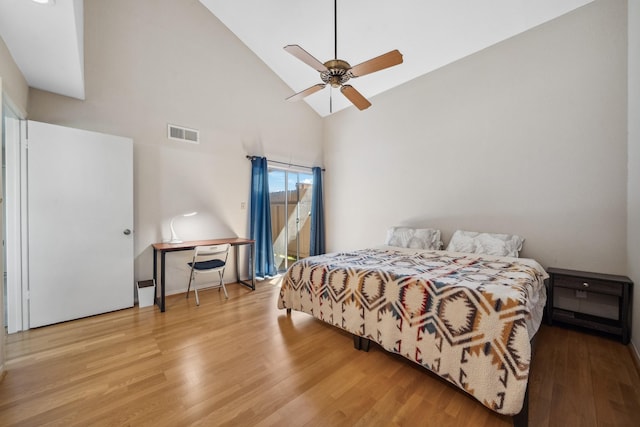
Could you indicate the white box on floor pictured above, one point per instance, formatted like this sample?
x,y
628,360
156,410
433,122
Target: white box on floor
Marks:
x,y
146,293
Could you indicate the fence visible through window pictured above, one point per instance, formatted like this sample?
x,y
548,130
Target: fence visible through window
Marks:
x,y
290,196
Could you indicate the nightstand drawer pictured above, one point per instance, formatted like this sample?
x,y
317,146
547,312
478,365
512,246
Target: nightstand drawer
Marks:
x,y
587,284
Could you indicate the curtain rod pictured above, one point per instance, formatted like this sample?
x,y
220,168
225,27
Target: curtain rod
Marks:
x,y
283,163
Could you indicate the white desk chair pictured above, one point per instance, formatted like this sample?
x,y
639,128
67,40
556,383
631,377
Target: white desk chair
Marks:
x,y
208,259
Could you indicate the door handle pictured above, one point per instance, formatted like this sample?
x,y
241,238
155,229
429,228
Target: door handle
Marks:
x,y
126,232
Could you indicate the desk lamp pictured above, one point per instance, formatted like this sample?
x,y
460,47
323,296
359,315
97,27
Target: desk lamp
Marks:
x,y
174,236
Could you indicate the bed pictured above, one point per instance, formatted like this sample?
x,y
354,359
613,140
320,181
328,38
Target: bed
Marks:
x,y
468,318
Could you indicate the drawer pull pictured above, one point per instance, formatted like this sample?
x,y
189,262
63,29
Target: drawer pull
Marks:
x,y
585,285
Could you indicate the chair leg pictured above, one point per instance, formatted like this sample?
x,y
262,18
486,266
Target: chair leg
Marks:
x,y
195,290
190,279
222,285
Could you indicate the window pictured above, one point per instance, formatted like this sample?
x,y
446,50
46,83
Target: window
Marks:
x,y
290,195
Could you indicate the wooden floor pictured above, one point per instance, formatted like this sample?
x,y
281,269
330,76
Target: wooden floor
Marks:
x,y
244,362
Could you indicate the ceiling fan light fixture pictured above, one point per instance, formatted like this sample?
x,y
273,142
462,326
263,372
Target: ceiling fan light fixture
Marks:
x,y
45,2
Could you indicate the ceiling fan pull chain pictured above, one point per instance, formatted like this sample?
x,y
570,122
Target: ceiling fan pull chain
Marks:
x,y
330,100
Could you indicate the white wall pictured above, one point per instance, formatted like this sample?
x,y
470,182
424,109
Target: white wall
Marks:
x,y
633,232
149,63
526,137
15,86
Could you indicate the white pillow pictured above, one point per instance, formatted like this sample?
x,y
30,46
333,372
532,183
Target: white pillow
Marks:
x,y
485,243
416,238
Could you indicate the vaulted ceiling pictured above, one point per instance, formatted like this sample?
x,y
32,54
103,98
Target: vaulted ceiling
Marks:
x,y
46,41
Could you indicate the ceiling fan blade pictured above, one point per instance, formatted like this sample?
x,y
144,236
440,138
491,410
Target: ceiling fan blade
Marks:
x,y
378,63
355,97
306,92
305,57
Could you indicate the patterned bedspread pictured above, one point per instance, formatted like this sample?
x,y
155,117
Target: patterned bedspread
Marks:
x,y
467,318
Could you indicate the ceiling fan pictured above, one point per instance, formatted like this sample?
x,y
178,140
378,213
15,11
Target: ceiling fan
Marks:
x,y
336,72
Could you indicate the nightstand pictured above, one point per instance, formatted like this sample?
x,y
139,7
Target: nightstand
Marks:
x,y
596,301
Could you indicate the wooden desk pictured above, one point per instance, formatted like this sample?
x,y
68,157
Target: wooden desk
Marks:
x,y
163,248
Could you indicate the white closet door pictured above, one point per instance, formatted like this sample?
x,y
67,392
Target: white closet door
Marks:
x,y
80,222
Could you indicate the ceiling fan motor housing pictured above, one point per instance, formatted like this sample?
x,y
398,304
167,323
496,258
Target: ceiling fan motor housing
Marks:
x,y
337,72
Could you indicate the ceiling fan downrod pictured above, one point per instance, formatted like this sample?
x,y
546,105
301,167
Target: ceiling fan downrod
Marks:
x,y
335,29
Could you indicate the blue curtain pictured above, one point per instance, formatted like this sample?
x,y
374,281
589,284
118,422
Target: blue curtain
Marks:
x,y
261,218
317,215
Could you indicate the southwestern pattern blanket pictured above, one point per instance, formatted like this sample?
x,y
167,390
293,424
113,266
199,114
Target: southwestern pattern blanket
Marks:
x,y
467,318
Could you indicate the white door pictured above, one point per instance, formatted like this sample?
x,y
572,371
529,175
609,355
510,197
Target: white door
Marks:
x,y
80,223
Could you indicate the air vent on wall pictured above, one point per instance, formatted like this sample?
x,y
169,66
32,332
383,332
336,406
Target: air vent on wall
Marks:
x,y
183,134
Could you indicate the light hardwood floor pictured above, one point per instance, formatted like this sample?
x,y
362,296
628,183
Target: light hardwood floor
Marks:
x,y
244,362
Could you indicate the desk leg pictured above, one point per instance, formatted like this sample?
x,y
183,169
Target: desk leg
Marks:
x,y
155,276
237,252
162,257
251,285
252,264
